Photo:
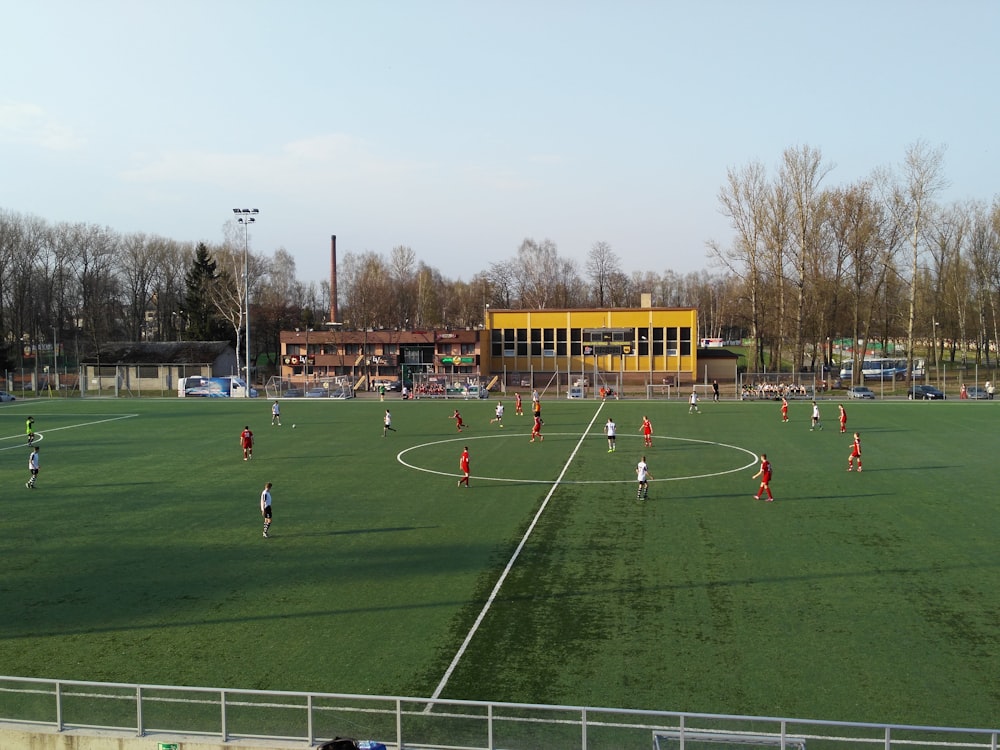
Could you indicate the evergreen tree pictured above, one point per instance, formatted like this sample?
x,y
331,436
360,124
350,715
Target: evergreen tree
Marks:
x,y
201,317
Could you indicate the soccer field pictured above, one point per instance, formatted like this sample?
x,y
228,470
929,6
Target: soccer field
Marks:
x,y
858,597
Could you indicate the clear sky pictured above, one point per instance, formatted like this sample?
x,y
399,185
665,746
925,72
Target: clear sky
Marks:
x,y
461,128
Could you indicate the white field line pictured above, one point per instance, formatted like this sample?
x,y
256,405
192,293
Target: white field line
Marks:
x,y
510,564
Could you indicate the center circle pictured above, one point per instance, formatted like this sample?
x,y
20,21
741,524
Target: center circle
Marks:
x,y
753,458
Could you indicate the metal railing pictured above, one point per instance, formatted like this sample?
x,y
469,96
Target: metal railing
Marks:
x,y
421,723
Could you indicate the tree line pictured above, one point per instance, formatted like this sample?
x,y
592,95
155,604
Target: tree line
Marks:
x,y
879,260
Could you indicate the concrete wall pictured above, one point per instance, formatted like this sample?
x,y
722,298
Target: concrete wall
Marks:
x,y
13,737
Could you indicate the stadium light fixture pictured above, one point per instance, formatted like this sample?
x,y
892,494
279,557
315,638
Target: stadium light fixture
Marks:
x,y
246,217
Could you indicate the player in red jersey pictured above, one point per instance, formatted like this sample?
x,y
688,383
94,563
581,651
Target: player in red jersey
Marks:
x,y
463,464
855,453
536,429
843,417
246,443
784,409
765,479
647,431
517,405
459,424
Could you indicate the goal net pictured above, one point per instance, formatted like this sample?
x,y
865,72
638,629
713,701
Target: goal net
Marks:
x,y
661,390
333,387
607,385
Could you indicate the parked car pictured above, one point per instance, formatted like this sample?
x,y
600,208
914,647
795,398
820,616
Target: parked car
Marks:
x,y
860,391
4,397
925,393
976,392
293,393
316,393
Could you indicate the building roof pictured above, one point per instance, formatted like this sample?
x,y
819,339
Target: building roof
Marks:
x,y
716,353
158,352
382,336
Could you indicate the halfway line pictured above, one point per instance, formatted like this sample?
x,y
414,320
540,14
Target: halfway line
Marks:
x,y
510,564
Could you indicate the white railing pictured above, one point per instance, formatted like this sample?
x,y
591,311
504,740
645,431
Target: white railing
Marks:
x,y
426,724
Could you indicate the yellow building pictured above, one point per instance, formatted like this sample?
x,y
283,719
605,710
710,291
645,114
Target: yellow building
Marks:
x,y
633,346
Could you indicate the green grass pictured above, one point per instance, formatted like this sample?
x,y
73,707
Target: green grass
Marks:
x,y
859,597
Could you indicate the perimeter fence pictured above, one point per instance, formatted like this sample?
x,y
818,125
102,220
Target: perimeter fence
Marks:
x,y
407,723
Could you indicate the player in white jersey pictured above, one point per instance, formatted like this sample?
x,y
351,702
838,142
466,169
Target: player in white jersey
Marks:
x,y
265,508
33,467
387,423
611,430
817,423
499,414
643,475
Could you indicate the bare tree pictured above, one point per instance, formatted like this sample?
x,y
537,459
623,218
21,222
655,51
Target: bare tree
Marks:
x,y
402,270
280,302
776,236
602,264
142,259
502,277
801,173
910,199
538,269
743,201
854,223
367,290
983,253
239,271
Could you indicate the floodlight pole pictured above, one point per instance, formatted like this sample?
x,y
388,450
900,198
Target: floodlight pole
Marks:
x,y
246,217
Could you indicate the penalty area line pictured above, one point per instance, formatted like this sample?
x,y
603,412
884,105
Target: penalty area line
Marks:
x,y
506,571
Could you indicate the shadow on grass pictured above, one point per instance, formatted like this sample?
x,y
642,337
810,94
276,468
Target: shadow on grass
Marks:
x,y
909,468
477,602
778,497
351,532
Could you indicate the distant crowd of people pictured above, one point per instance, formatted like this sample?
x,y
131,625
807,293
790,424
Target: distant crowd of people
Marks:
x,y
773,391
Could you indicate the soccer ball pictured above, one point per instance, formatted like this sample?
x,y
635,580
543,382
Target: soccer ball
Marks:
x,y
293,427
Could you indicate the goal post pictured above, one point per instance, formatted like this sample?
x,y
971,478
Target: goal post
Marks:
x,y
607,384
661,390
